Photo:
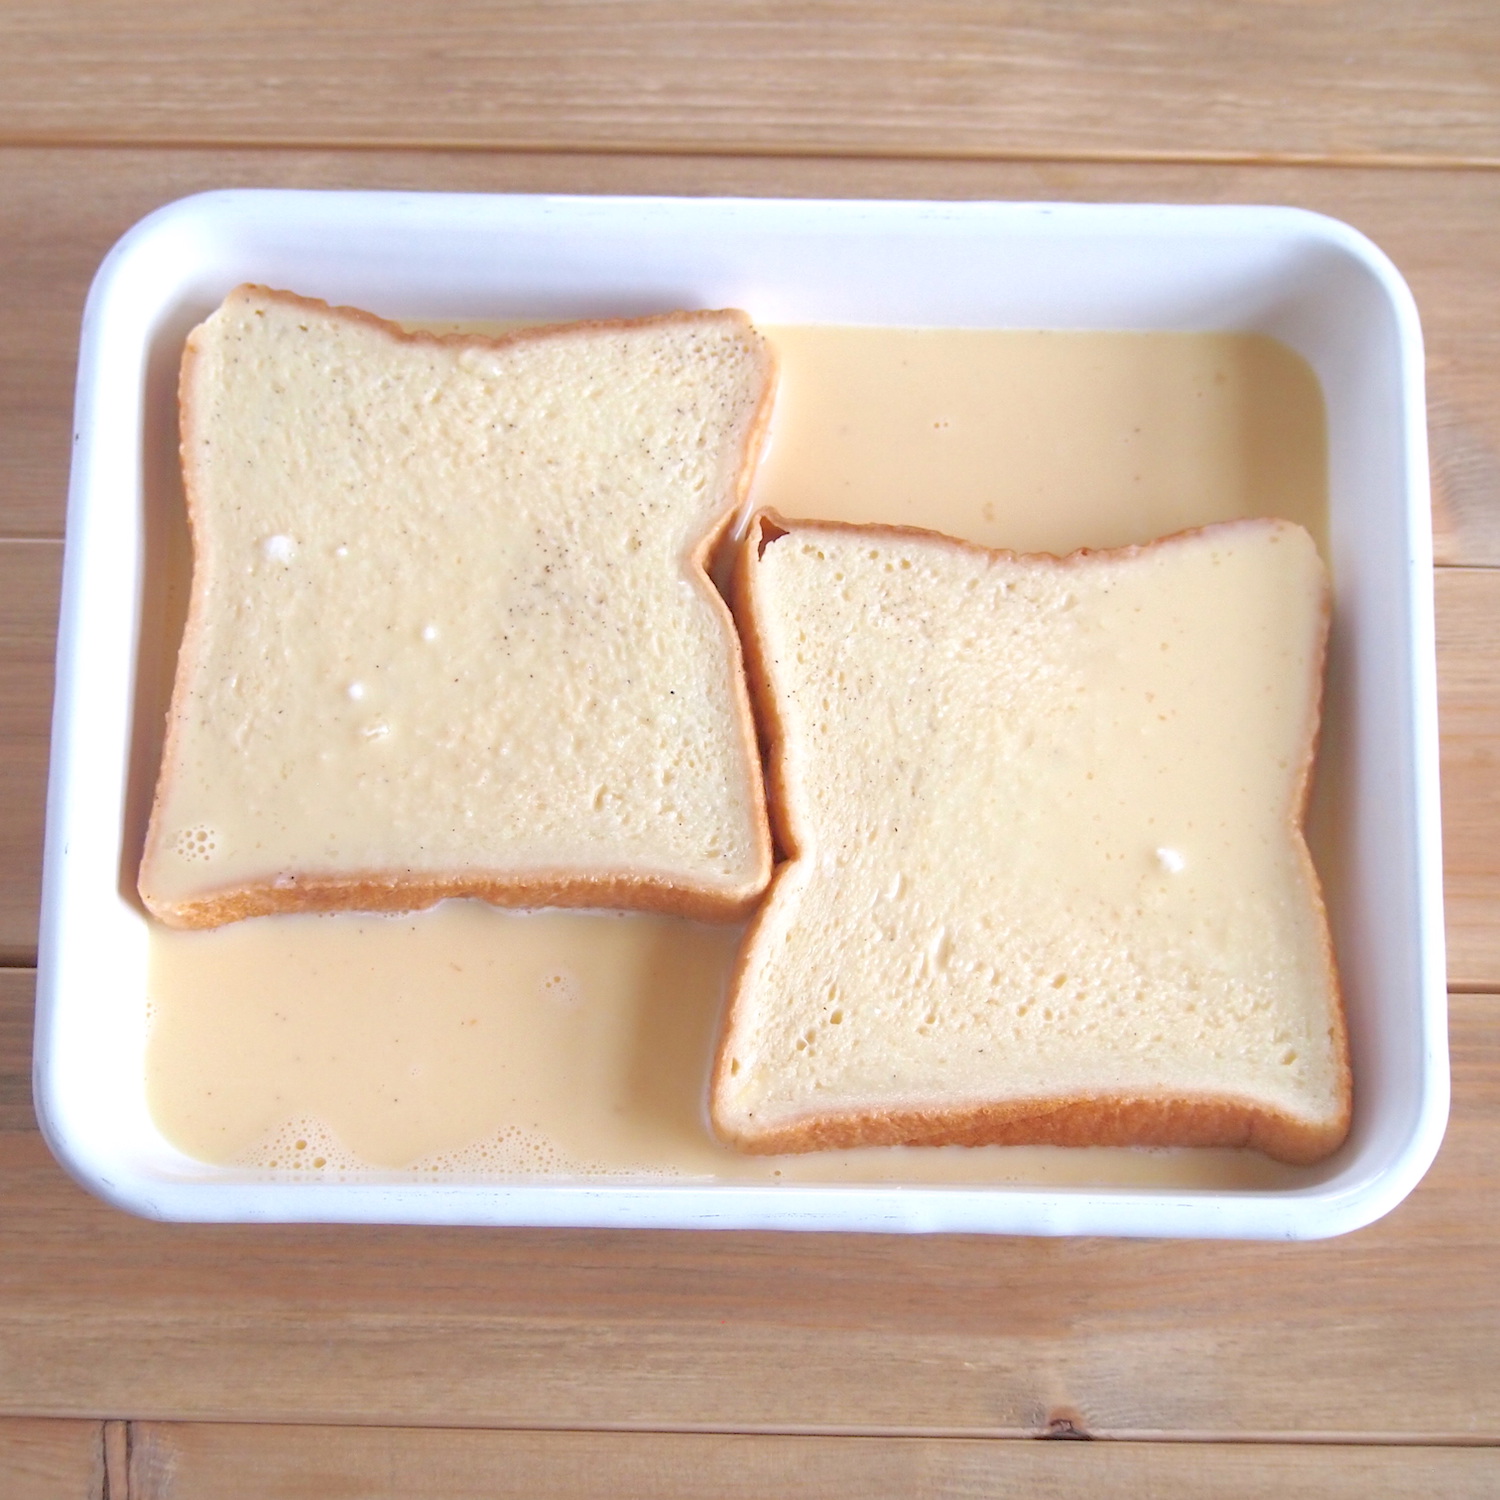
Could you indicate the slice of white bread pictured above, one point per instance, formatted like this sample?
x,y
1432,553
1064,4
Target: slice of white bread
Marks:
x,y
1047,881
450,630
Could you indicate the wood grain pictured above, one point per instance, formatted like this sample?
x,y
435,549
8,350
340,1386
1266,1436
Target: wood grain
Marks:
x,y
116,1435
927,1357
61,210
213,1462
1468,614
30,572
1387,79
1390,1333
51,1460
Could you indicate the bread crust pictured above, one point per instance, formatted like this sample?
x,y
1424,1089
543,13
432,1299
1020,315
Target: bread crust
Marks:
x,y
1093,1120
1165,1119
380,890
377,891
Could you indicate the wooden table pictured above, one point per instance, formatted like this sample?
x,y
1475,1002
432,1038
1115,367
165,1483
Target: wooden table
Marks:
x,y
134,1357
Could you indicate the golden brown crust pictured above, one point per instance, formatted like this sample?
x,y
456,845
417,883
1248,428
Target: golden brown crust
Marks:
x,y
1338,1019
512,337
375,891
1105,1120
192,628
781,525
396,893
699,563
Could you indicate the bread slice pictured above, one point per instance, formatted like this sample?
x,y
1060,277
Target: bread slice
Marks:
x,y
450,632
1046,879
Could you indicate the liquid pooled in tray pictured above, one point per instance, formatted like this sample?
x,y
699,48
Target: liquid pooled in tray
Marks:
x,y
471,1041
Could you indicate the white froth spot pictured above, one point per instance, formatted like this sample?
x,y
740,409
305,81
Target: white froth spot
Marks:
x,y
306,1148
356,690
376,731
482,363
940,948
303,1146
341,551
429,632
279,548
1171,861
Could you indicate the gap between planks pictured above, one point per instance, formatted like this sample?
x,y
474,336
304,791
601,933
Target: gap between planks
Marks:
x,y
41,1458
788,151
289,1463
142,1460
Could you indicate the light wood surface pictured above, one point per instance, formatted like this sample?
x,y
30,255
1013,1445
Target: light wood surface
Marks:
x,y
1395,80
51,1460
1468,611
30,572
146,1360
212,1462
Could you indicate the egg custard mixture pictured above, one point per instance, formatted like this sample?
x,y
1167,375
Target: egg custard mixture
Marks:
x,y
483,1043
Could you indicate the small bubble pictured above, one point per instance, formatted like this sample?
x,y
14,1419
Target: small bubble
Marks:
x,y
197,842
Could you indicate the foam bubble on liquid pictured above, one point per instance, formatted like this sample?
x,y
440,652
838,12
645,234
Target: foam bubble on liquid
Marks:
x,y
562,988
307,1148
513,1152
200,842
303,1146
517,1152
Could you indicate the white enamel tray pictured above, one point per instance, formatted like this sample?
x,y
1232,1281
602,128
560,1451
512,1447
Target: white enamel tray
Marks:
x,y
1311,282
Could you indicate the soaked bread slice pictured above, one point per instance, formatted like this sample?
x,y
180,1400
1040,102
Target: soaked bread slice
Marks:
x,y
450,632
1046,881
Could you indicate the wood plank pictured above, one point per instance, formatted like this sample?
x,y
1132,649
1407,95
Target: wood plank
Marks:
x,y
214,1462
1398,79
1469,648
116,1458
61,210
44,1459
30,572
1468,615
1390,1333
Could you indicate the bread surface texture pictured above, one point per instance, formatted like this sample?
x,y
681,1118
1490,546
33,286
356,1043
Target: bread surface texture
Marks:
x,y
1047,881
450,632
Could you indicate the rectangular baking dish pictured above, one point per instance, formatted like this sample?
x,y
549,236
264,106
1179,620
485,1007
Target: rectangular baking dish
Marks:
x,y
1315,284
